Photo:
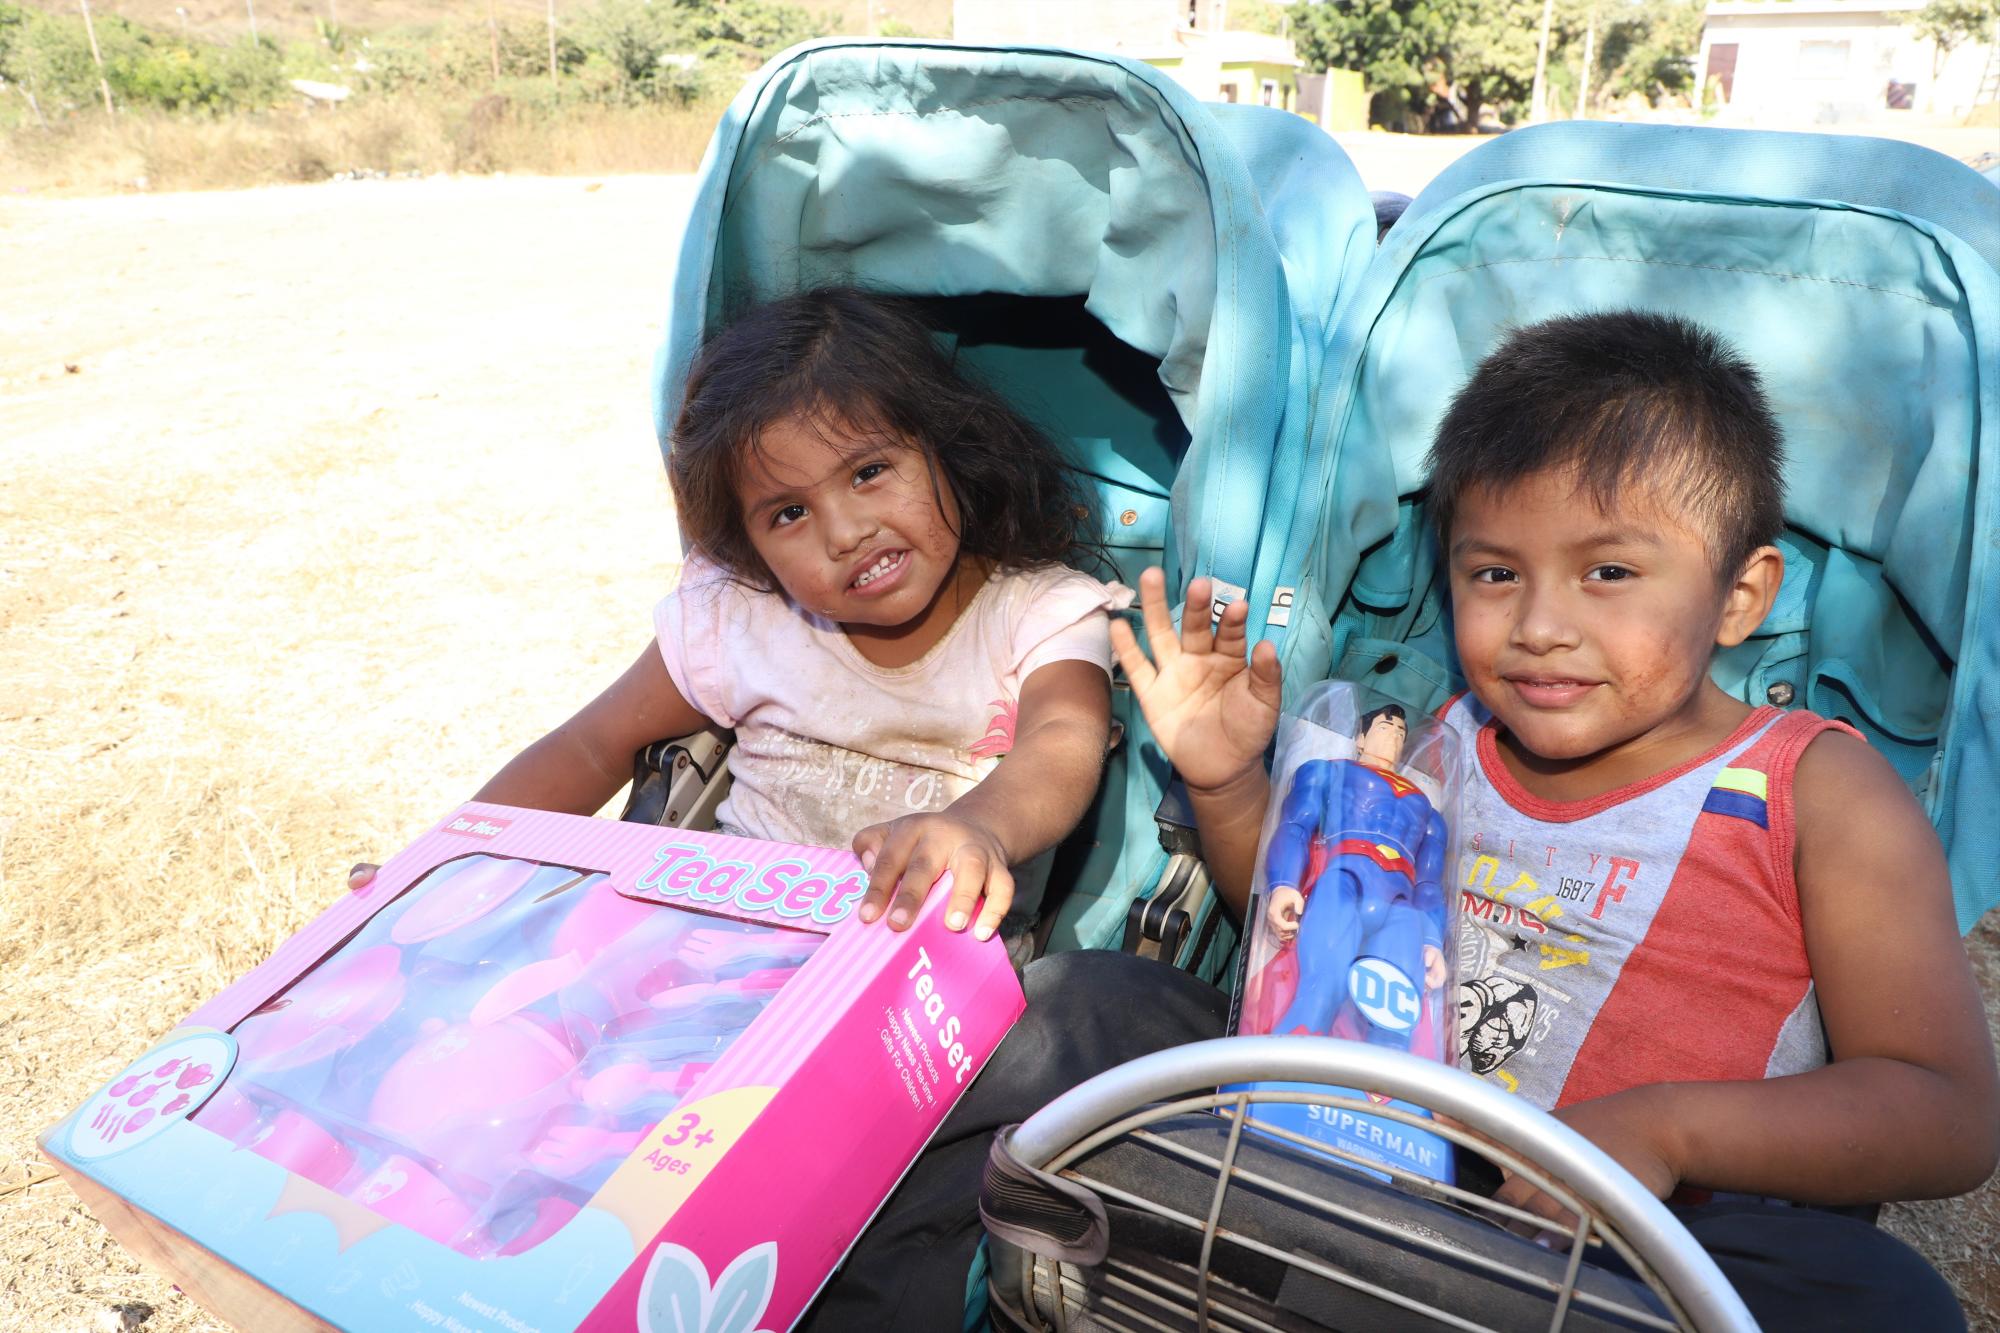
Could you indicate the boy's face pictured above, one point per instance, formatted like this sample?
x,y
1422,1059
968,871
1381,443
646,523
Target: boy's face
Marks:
x,y
1588,631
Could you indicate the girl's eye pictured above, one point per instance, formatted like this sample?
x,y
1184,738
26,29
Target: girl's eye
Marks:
x,y
1609,574
1493,574
869,471
788,515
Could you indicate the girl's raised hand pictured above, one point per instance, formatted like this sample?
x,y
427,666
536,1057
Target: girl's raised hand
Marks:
x,y
1212,709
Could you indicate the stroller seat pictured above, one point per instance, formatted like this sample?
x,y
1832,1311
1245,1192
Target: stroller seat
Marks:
x,y
1150,282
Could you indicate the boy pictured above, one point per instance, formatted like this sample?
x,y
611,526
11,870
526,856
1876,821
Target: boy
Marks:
x,y
1715,940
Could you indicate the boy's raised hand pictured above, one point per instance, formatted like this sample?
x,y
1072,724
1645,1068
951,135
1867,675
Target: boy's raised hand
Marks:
x,y
1212,709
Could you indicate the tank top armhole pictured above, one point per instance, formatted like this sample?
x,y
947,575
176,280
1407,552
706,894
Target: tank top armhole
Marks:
x,y
1777,753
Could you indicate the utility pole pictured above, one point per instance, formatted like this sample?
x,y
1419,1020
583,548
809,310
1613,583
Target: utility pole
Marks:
x,y
251,5
1538,100
493,38
103,86
1589,54
552,43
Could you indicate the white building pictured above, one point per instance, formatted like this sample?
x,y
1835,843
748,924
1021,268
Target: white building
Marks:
x,y
1836,61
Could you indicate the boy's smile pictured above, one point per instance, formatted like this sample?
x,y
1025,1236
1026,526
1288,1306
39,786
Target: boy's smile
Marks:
x,y
857,532
1588,631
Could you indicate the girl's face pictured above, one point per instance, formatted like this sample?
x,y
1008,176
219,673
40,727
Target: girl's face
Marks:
x,y
861,536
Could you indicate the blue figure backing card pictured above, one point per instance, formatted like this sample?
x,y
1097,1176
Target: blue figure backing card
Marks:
x,y
1350,924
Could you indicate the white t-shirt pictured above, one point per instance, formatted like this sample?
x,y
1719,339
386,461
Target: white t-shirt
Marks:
x,y
828,743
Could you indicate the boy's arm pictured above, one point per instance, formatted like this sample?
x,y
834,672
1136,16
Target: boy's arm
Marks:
x,y
1909,1107
580,765
1212,703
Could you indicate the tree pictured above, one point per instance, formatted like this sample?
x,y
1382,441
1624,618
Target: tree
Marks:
x,y
1949,23
1396,45
1647,47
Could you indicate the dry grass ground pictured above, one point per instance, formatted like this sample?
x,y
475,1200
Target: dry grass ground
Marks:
x,y
352,493
139,151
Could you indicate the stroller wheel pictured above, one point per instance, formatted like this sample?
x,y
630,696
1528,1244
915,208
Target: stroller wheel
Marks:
x,y
1144,1199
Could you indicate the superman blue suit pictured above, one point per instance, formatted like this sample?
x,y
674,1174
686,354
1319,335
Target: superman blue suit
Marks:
x,y
1367,850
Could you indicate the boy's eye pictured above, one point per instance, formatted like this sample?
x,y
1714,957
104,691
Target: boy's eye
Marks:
x,y
1609,574
788,515
1493,574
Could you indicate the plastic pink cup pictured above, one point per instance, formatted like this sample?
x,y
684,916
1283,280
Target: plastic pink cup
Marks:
x,y
454,1094
406,1192
461,900
228,1113
330,1009
304,1147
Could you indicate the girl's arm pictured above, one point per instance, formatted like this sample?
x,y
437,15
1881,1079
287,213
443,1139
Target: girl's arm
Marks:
x,y
580,765
1213,708
1023,808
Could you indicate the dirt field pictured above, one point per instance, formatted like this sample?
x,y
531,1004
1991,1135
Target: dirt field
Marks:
x,y
315,503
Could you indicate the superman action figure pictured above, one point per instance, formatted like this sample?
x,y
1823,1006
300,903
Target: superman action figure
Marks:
x,y
1367,847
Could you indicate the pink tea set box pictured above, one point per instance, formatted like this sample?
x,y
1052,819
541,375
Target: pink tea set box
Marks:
x,y
546,1074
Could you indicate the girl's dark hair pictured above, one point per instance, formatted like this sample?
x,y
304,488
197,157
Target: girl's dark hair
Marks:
x,y
1631,403
862,365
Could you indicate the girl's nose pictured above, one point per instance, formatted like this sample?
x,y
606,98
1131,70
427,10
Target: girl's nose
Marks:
x,y
847,528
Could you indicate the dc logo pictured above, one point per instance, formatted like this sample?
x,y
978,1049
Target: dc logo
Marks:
x,y
1384,994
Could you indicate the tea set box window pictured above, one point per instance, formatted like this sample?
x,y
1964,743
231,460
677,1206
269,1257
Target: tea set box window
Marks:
x,y
545,1074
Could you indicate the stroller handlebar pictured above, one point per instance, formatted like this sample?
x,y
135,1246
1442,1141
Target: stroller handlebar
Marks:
x,y
1553,1148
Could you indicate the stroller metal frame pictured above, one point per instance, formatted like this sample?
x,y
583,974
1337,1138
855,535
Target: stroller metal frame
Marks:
x,y
1611,1206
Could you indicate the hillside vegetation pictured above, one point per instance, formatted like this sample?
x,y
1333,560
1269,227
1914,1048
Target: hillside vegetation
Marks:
x,y
324,88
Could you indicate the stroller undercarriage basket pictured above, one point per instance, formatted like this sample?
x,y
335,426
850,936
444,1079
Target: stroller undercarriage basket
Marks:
x,y
1107,1211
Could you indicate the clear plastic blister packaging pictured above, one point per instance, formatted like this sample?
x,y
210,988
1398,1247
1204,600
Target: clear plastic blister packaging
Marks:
x,y
1351,917
484,1052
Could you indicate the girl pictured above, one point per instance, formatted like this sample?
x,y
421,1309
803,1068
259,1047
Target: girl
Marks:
x,y
877,601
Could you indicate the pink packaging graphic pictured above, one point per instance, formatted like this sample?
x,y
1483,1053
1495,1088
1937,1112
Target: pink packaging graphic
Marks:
x,y
547,1073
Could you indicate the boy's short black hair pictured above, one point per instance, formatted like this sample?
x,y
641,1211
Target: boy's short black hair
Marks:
x,y
1627,400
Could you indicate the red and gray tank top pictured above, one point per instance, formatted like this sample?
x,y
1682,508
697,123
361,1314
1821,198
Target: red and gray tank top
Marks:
x,y
1651,934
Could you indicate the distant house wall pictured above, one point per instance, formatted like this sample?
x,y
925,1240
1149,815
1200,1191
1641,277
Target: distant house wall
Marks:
x,y
1829,61
1092,25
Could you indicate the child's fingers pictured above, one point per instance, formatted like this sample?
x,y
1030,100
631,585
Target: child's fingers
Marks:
x,y
1233,632
1267,679
1139,670
361,876
1159,617
970,871
925,864
1529,1198
891,853
999,897
1197,627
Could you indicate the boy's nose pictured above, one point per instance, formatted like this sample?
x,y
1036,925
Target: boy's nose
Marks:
x,y
1547,621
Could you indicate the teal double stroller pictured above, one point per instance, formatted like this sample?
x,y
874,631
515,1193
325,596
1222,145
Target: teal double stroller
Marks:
x,y
1192,299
